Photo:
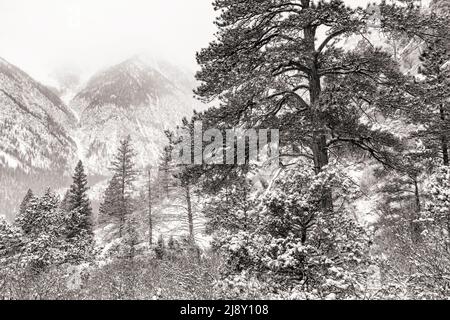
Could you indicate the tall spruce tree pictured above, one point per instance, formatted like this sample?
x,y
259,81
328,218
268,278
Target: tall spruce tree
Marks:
x,y
77,200
117,200
109,206
26,201
165,172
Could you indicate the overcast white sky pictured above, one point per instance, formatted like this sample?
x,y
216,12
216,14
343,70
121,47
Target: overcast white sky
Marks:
x,y
39,35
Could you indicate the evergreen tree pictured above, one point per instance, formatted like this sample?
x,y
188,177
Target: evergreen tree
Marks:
x,y
44,227
109,206
165,172
78,202
26,201
117,200
64,205
433,110
11,241
41,214
269,68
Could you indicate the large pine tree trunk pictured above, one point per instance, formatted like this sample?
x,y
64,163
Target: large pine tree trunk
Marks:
x,y
320,154
190,215
319,143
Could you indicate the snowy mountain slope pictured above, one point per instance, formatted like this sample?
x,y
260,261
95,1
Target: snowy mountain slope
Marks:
x,y
137,98
67,81
34,123
36,150
181,77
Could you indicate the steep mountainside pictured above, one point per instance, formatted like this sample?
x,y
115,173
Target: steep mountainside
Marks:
x,y
34,135
137,97
34,123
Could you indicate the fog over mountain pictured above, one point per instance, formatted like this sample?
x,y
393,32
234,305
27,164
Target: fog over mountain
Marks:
x,y
141,97
91,35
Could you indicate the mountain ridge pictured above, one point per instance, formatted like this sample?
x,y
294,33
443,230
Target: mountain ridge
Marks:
x,y
132,98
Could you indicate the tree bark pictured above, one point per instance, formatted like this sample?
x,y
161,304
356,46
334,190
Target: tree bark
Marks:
x,y
190,215
319,143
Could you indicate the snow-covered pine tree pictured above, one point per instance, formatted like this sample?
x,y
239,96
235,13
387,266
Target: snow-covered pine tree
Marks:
x,y
433,110
269,68
78,202
26,201
44,227
78,218
11,241
110,204
64,205
38,214
165,172
117,200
